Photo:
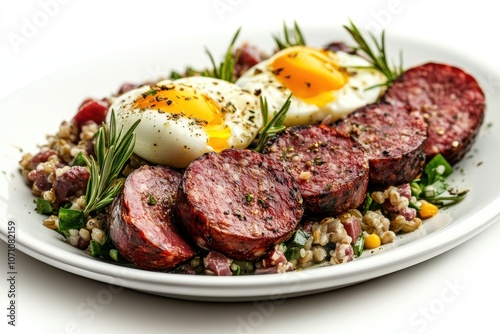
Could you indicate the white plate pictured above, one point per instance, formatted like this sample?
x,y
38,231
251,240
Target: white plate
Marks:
x,y
38,109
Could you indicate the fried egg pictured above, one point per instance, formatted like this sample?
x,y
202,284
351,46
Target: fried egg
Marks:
x,y
323,83
185,118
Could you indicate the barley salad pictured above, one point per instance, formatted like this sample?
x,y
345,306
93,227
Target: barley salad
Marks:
x,y
60,173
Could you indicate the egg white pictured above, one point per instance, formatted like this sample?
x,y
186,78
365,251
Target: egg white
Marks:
x,y
175,140
364,86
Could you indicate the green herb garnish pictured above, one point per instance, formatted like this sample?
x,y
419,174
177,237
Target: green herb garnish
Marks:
x,y
377,57
43,206
225,70
79,160
295,244
106,250
273,126
112,151
70,219
432,186
189,72
367,203
114,254
95,248
292,37
359,245
151,199
318,161
241,267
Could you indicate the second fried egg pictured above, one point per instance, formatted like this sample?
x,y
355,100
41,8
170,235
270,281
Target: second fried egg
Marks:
x,y
322,83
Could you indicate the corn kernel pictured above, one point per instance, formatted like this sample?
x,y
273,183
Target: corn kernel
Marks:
x,y
428,210
372,241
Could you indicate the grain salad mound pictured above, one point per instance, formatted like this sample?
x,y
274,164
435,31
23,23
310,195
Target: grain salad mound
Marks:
x,y
314,195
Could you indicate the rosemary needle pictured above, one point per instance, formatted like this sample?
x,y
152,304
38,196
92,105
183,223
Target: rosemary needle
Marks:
x,y
225,71
377,57
296,39
112,150
274,125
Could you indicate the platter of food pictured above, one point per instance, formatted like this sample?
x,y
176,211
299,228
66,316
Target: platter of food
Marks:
x,y
283,165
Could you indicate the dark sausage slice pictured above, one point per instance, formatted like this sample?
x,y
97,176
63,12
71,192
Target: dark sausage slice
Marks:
x,y
141,220
451,101
249,56
393,138
330,167
239,203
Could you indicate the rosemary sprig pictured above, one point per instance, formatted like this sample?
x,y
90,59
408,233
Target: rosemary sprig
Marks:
x,y
274,125
295,39
377,57
225,70
112,150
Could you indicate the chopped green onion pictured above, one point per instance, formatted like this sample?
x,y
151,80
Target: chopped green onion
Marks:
x,y
70,219
235,269
95,248
43,207
113,253
293,253
415,205
299,239
437,161
367,203
359,245
241,267
105,251
415,187
295,244
432,186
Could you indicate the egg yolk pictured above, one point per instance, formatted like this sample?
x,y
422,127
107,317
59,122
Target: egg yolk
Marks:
x,y
311,75
185,101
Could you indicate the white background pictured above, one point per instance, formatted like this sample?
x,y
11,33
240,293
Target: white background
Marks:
x,y
455,292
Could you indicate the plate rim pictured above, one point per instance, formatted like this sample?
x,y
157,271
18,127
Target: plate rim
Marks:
x,y
139,278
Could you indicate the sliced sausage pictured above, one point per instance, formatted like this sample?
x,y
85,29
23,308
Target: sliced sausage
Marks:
x,y
330,167
249,56
238,202
393,138
451,101
141,221
341,46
